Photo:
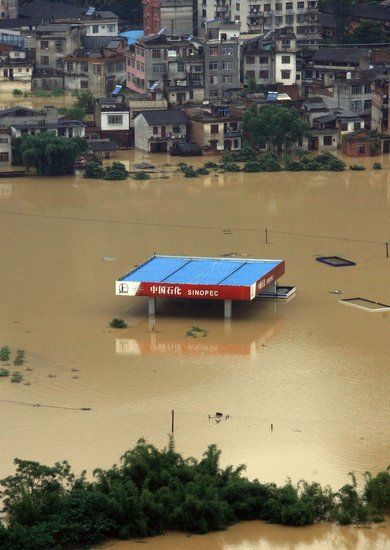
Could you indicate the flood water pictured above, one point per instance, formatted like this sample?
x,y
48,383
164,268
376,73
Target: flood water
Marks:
x,y
318,370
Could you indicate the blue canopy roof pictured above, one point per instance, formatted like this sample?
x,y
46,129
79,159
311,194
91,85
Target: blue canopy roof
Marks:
x,y
201,271
131,36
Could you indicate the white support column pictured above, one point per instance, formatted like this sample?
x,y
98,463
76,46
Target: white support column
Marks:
x,y
228,309
152,307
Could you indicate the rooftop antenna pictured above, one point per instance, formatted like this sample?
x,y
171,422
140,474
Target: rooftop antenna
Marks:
x,y
162,31
154,86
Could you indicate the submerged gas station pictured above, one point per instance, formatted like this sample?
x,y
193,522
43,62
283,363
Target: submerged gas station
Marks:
x,y
204,278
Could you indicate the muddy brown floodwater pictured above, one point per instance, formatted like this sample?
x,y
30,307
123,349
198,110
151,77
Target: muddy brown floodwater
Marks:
x,y
316,369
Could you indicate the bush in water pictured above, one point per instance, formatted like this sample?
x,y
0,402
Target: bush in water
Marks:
x,y
118,323
151,491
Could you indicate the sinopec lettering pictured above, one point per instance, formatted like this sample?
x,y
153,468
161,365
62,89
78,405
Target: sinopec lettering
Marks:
x,y
213,293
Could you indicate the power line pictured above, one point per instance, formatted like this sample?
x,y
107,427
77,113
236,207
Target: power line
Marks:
x,y
185,226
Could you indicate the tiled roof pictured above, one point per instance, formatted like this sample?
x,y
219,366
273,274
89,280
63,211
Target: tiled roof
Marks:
x,y
170,116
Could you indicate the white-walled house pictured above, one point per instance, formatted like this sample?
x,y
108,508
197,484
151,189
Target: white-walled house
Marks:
x,y
156,131
112,118
5,147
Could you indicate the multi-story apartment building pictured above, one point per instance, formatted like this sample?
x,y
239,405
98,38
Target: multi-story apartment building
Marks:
x,y
54,41
270,61
260,16
148,60
8,9
222,62
177,16
380,104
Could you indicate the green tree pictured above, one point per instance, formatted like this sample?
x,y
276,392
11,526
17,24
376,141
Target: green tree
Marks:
x,y
274,125
342,11
368,32
49,154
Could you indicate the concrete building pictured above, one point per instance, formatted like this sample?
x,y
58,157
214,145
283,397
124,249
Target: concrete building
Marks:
x,y
176,16
270,61
5,146
215,129
8,9
262,16
186,79
380,103
55,41
222,62
156,131
16,72
112,118
147,60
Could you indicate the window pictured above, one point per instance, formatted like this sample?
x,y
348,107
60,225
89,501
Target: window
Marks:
x,y
213,93
227,51
367,104
132,62
44,59
214,129
264,75
138,65
44,44
176,129
356,90
285,59
4,157
119,67
250,60
289,6
69,66
356,105
84,67
278,7
289,19
250,74
111,28
115,119
237,7
213,65
158,68
367,88
267,7
213,80
227,66
59,46
96,69
264,60
84,84
227,80
155,130
344,127
156,54
213,50
3,140
286,75
198,69
356,125
361,149
301,5
180,67
95,29
327,140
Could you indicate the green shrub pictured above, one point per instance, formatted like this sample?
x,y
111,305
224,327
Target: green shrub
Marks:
x,y
377,166
4,373
270,163
118,323
117,171
253,166
189,172
5,353
202,171
230,167
141,175
20,357
356,167
16,377
211,165
94,170
57,92
16,91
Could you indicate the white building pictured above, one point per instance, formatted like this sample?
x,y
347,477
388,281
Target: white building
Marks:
x,y
101,23
5,147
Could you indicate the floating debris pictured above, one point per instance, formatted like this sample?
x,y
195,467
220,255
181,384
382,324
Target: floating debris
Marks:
x,y
109,259
335,261
52,376
197,332
335,291
218,416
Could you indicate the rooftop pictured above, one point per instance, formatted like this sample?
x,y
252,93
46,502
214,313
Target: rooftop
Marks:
x,y
201,271
170,116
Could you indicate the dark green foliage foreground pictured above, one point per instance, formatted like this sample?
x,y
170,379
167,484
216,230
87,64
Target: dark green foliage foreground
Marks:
x,y
152,491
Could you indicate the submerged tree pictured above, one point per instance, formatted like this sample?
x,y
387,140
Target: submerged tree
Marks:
x,y
49,154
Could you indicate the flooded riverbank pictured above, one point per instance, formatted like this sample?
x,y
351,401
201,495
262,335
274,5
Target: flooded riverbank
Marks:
x,y
259,536
316,369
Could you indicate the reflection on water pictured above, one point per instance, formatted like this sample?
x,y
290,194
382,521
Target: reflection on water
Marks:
x,y
166,336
